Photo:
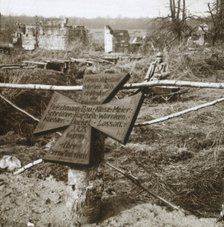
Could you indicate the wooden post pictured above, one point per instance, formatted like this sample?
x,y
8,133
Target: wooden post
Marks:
x,y
84,195
85,184
85,187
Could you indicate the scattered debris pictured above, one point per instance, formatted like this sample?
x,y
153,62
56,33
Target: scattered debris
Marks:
x,y
30,224
9,162
6,48
81,60
36,63
186,195
221,216
11,65
50,144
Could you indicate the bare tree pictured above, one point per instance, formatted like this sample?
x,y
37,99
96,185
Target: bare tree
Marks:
x,y
178,17
217,18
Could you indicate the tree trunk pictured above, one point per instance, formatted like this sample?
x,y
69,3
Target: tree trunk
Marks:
x,y
178,9
171,9
184,11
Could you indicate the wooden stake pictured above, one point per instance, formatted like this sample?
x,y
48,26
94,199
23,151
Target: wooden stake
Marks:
x,y
137,182
28,166
21,110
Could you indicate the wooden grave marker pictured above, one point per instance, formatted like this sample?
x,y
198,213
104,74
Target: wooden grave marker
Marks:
x,y
82,143
78,143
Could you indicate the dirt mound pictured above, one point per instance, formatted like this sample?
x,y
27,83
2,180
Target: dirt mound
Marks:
x,y
148,215
43,203
39,202
180,159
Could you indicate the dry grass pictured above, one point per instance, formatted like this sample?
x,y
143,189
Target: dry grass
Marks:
x,y
178,160
188,175
33,102
182,159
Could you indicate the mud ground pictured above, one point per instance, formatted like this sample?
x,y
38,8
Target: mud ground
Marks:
x,y
178,159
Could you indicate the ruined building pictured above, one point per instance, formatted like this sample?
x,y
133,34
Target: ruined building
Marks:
x,y
50,35
116,40
119,41
198,32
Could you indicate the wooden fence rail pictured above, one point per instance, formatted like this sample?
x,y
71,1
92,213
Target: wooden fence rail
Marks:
x,y
175,83
138,124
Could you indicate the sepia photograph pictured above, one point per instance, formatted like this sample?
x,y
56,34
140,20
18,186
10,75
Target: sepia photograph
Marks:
x,y
111,113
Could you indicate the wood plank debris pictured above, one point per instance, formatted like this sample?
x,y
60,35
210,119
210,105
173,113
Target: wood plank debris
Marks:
x,y
16,66
100,59
81,60
12,65
19,109
28,166
34,63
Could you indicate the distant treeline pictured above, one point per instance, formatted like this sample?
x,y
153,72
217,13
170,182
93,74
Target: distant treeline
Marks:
x,y
93,23
116,23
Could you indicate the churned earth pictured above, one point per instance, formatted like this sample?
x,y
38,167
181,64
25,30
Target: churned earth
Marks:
x,y
179,159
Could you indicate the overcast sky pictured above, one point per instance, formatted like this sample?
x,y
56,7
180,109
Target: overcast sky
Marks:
x,y
95,8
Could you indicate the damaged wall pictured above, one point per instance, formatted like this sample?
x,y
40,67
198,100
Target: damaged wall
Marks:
x,y
108,40
50,35
53,38
28,37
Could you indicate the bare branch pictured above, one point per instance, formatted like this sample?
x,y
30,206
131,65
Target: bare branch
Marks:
x,y
212,15
178,114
